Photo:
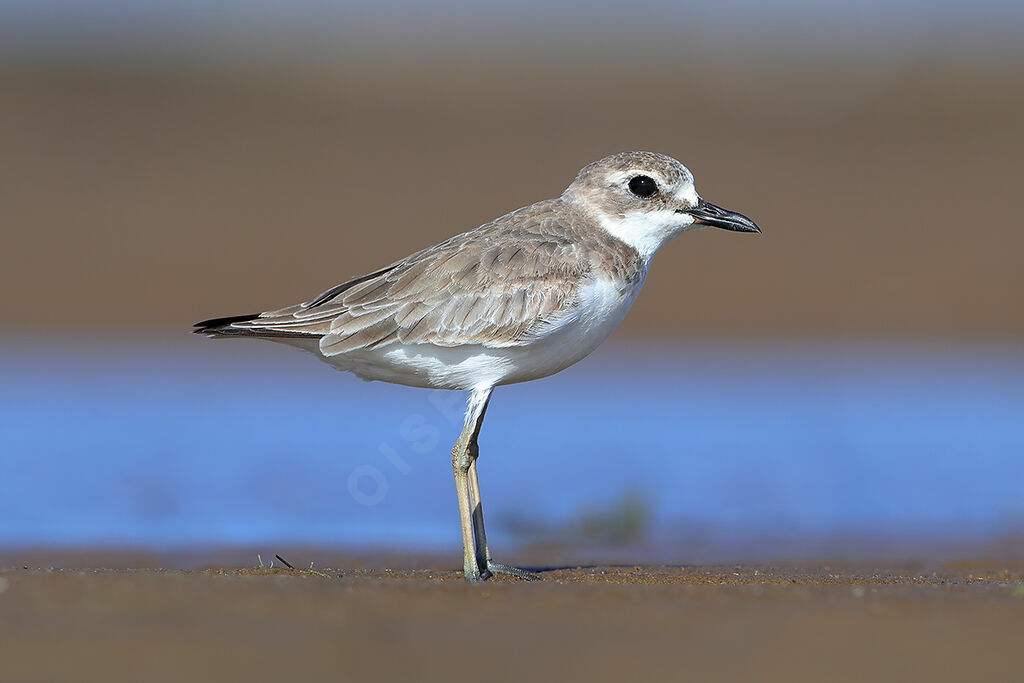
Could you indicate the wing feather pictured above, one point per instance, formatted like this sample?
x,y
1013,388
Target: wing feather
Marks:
x,y
495,286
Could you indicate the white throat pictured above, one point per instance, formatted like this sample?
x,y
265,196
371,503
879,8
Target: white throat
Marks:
x,y
647,231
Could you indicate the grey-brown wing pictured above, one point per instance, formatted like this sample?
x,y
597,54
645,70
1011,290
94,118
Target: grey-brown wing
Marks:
x,y
495,286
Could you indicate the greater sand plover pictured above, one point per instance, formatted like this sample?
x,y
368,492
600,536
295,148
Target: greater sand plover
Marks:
x,y
519,298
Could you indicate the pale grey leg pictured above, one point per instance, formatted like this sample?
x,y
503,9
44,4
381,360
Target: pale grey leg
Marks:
x,y
476,556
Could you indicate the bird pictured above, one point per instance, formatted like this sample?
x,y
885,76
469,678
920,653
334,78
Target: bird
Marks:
x,y
516,299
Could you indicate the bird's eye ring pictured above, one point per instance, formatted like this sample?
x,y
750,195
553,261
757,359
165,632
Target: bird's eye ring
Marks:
x,y
643,186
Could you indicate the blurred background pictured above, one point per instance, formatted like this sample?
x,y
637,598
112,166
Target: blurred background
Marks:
x,y
850,383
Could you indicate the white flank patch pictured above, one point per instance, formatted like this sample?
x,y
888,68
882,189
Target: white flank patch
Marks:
x,y
601,307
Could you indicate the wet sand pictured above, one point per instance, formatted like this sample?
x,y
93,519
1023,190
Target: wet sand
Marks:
x,y
956,622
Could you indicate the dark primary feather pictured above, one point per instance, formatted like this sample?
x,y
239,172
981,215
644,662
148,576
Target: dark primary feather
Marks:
x,y
215,325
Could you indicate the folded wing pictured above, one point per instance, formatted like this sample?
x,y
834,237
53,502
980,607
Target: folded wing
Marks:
x,y
498,285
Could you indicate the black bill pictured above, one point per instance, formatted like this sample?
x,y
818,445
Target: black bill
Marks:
x,y
710,214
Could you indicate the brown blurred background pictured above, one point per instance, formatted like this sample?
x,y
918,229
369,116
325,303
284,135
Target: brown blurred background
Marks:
x,y
145,193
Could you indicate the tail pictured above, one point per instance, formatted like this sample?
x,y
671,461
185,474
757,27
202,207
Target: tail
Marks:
x,y
215,327
267,325
298,321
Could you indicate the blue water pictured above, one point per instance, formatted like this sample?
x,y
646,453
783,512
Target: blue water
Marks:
x,y
161,444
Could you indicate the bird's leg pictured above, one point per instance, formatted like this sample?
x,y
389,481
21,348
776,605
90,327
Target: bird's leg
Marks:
x,y
460,468
465,454
483,552
462,459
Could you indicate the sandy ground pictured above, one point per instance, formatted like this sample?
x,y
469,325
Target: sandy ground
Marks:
x,y
955,623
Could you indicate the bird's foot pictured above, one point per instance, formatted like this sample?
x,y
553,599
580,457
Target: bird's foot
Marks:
x,y
475,575
499,568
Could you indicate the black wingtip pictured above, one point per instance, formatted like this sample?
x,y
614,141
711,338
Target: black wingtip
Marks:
x,y
214,325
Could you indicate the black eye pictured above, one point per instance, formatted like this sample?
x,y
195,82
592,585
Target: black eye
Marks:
x,y
643,186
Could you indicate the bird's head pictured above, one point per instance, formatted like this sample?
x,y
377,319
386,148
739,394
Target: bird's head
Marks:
x,y
646,200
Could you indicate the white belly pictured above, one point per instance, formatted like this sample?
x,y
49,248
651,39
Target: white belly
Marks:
x,y
603,305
